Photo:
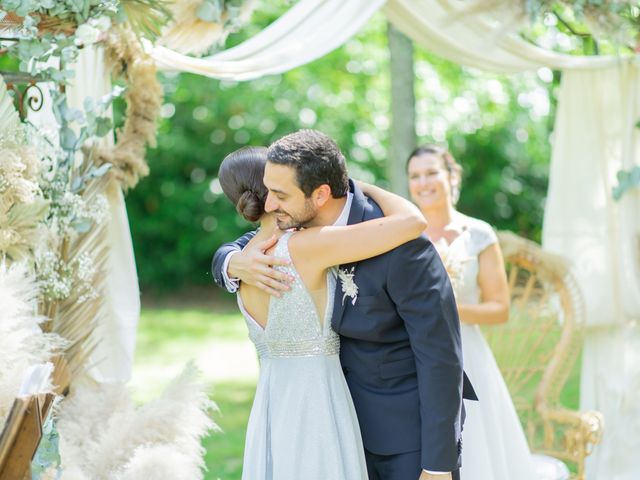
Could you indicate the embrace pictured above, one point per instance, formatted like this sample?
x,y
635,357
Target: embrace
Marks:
x,y
353,317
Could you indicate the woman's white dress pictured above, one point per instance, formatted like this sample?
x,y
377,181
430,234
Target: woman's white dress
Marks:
x,y
495,447
303,424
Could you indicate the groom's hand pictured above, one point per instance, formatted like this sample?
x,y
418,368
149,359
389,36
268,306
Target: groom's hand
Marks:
x,y
254,267
435,476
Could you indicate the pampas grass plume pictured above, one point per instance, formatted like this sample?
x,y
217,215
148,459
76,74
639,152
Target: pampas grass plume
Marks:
x,y
120,438
22,342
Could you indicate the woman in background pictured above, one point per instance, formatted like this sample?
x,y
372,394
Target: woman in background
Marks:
x,y
495,447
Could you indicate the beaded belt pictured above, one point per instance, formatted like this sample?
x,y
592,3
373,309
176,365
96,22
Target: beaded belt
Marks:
x,y
299,348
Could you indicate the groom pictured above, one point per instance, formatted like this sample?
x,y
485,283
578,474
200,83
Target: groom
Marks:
x,y
400,335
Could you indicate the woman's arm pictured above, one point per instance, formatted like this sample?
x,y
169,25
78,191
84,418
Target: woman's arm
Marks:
x,y
331,245
492,279
387,201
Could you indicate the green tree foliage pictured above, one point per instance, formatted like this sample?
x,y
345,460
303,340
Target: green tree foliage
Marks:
x,y
497,127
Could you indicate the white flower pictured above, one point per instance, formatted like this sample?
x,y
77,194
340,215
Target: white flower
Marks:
x,y
87,35
349,287
102,23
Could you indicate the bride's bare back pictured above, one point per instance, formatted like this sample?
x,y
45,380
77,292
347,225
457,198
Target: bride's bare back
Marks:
x,y
256,301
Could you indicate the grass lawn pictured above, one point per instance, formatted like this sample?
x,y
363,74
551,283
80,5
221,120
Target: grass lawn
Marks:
x,y
168,337
224,449
215,337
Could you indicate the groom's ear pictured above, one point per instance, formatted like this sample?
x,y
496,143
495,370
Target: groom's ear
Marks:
x,y
321,195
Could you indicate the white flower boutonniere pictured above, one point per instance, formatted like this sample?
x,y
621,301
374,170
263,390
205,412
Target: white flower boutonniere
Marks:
x,y
349,287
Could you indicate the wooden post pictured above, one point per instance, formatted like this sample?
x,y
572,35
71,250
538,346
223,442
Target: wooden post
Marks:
x,y
22,434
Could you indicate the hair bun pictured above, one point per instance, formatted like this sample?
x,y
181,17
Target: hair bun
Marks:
x,y
250,206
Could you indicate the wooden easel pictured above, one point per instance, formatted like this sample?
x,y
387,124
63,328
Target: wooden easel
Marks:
x,y
22,434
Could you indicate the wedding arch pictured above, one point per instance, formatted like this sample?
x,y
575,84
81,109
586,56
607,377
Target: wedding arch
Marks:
x,y
595,136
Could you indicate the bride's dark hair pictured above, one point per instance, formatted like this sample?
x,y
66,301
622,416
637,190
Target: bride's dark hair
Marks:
x,y
240,177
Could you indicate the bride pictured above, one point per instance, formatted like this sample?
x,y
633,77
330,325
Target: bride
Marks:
x,y
303,423
495,445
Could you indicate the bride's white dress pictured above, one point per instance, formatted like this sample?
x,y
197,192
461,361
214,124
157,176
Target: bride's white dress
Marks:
x,y
495,447
303,424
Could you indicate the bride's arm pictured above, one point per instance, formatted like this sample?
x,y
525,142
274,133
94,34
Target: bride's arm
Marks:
x,y
492,280
387,201
331,245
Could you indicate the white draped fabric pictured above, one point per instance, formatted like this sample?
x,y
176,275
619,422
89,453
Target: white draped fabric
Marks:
x,y
594,137
113,358
446,28
313,28
309,30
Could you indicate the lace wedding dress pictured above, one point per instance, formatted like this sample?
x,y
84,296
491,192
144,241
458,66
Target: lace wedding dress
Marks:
x,y
495,447
303,424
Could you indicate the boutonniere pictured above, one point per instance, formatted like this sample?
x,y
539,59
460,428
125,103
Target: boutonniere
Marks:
x,y
349,287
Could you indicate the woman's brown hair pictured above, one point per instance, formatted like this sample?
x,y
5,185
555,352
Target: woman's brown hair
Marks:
x,y
240,176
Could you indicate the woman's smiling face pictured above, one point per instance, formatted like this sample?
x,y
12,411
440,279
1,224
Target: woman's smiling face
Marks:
x,y
429,181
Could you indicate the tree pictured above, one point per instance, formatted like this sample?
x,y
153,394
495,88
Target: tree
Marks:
x,y
402,140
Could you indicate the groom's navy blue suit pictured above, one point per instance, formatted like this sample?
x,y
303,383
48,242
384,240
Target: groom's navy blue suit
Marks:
x,y
401,354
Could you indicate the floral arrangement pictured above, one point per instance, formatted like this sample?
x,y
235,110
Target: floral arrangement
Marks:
x,y
52,208
453,263
21,202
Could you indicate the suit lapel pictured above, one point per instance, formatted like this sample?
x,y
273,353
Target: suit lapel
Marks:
x,y
356,215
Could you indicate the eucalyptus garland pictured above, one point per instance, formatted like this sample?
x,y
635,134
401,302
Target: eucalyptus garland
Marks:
x,y
46,30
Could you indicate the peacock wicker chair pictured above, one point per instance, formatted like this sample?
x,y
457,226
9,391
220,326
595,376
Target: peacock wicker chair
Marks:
x,y
537,349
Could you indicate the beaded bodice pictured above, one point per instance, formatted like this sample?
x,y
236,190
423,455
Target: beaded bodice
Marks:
x,y
293,326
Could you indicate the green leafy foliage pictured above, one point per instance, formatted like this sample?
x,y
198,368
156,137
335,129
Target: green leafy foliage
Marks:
x,y
627,180
588,27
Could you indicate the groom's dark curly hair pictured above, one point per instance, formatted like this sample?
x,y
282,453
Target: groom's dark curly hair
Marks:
x,y
316,159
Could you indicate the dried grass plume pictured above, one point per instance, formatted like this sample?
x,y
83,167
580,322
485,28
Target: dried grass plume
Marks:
x,y
103,435
144,99
189,34
22,342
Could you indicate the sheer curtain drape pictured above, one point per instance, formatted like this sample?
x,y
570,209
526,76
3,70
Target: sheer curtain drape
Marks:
x,y
595,136
113,357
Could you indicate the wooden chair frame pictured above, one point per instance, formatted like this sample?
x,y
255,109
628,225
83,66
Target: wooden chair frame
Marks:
x,y
543,340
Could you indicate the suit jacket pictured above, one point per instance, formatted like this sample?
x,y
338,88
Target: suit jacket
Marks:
x,y
400,348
